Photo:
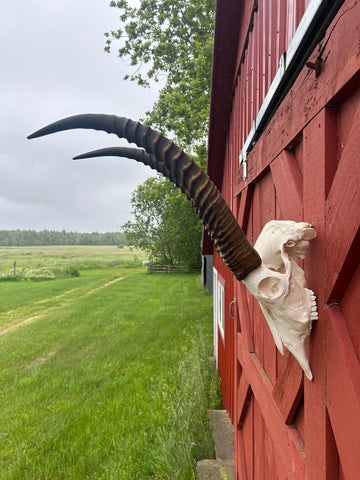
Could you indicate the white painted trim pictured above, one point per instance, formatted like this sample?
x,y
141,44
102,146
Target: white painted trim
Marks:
x,y
221,309
218,311
215,318
311,28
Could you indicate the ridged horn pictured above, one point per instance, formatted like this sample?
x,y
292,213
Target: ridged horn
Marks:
x,y
225,232
137,154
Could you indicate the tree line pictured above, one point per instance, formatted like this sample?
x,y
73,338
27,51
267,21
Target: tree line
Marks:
x,y
20,238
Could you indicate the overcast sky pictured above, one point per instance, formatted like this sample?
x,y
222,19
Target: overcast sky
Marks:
x,y
53,65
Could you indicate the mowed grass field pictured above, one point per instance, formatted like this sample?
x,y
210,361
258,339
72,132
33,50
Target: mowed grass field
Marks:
x,y
103,374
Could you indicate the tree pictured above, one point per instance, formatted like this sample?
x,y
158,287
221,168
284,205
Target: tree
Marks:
x,y
164,224
174,38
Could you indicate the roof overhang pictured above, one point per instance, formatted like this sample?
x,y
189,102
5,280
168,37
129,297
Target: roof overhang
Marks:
x,y
227,14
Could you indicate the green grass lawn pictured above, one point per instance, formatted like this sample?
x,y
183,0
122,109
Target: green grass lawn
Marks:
x,y
106,380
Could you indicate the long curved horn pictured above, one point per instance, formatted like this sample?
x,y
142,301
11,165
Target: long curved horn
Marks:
x,y
212,209
137,154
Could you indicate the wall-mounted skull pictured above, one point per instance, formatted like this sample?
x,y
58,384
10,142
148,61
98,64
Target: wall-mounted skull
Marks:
x,y
269,270
279,286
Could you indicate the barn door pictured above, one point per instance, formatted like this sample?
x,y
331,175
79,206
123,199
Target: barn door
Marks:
x,y
342,288
286,426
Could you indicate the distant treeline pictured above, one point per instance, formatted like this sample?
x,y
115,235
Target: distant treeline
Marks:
x,y
51,237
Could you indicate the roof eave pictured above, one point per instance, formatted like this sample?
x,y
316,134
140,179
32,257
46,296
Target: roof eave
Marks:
x,y
224,64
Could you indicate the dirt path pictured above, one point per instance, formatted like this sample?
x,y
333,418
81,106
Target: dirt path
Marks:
x,y
103,286
17,325
35,317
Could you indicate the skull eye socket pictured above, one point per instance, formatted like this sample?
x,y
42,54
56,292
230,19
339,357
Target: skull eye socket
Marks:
x,y
297,250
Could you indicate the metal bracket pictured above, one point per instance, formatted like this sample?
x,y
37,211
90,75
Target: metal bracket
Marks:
x,y
230,309
242,161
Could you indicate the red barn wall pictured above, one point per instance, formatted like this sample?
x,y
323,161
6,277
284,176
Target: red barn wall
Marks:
x,y
265,31
305,166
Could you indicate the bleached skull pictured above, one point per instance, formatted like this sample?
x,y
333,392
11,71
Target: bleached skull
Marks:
x,y
279,286
269,270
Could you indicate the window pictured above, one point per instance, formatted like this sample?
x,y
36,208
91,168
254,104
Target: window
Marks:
x,y
218,308
221,311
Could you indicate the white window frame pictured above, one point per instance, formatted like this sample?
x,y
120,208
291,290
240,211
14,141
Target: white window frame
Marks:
x,y
221,308
215,320
218,310
317,17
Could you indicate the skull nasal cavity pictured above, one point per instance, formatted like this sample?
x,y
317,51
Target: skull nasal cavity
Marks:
x,y
269,287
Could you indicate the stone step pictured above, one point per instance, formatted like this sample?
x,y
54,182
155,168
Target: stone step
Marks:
x,y
222,468
215,470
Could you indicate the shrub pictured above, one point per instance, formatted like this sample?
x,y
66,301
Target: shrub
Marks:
x,y
33,274
73,271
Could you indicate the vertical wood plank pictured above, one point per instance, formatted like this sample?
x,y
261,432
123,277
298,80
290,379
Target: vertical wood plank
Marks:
x,y
244,317
343,216
240,462
289,387
264,209
259,445
288,184
248,436
244,208
314,166
343,391
270,467
258,318
243,399
351,311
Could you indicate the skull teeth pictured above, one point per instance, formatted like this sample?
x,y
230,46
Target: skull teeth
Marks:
x,y
314,310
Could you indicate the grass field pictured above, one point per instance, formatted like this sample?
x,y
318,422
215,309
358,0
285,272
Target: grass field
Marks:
x,y
103,375
63,260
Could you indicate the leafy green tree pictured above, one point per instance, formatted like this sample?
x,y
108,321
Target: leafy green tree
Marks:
x,y
172,40
169,41
164,224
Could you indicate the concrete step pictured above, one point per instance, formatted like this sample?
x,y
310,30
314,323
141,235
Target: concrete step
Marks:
x,y
215,470
222,468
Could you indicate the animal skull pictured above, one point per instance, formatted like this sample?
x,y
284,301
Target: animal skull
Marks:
x,y
279,286
269,270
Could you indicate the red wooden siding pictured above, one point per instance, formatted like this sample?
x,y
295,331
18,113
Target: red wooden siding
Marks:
x,y
305,166
270,26
315,426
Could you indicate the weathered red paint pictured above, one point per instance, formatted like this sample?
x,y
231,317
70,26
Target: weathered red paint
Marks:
x,y
304,167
